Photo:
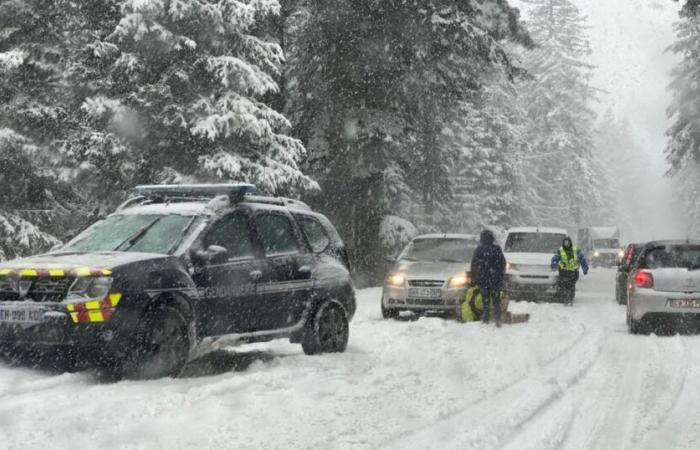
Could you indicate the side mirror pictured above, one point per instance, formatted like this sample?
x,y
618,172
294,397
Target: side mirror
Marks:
x,y
214,254
321,246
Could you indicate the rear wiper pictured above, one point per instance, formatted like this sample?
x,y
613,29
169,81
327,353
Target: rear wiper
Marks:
x,y
131,240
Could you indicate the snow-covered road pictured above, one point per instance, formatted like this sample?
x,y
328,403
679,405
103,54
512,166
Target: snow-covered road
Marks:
x,y
571,378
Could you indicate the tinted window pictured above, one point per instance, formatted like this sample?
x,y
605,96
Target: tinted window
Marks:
x,y
439,249
276,234
533,242
233,233
672,256
315,233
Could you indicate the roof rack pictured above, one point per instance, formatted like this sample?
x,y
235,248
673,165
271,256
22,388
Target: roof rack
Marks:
x,y
233,190
215,193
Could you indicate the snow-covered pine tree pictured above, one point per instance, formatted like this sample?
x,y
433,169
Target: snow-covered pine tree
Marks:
x,y
488,131
188,81
559,103
372,86
34,118
683,147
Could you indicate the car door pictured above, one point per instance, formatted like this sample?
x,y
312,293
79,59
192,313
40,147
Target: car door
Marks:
x,y
286,275
227,288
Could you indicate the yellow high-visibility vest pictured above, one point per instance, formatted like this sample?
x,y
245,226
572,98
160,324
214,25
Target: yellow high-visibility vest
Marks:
x,y
569,264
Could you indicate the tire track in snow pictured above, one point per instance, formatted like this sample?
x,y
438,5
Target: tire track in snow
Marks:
x,y
557,356
522,401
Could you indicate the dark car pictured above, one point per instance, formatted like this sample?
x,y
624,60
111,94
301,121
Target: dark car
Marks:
x,y
623,271
181,270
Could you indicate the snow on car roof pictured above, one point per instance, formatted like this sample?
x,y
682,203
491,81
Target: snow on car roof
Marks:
x,y
182,208
445,236
538,230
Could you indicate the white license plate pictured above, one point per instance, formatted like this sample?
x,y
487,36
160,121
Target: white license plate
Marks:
x,y
424,292
21,314
685,303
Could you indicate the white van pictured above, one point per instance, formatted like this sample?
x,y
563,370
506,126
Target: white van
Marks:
x,y
529,252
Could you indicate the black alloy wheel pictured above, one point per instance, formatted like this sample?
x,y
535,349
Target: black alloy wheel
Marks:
x,y
328,331
163,344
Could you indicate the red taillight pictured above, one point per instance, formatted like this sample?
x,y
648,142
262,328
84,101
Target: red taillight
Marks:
x,y
644,280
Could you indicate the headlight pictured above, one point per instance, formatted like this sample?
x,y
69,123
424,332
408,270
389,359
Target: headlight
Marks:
x,y
511,266
621,254
458,280
396,280
89,288
596,254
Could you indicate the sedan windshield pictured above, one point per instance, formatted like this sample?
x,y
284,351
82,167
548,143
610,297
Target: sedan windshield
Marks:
x,y
152,233
533,242
439,249
673,256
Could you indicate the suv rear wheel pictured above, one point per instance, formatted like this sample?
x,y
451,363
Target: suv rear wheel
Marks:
x,y
327,331
162,345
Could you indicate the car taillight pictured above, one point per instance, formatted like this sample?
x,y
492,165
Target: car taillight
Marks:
x,y
644,280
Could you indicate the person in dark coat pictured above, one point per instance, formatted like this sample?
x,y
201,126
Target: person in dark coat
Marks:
x,y
488,270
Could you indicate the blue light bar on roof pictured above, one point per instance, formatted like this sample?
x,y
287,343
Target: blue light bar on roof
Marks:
x,y
195,190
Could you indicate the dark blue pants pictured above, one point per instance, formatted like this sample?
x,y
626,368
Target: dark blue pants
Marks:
x,y
491,299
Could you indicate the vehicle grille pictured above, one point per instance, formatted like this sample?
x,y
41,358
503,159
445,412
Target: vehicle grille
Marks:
x,y
531,268
426,283
425,301
40,290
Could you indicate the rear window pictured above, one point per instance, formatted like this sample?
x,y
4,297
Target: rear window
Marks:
x,y
672,256
606,243
533,242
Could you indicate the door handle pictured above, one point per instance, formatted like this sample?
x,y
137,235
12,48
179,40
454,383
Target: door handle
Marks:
x,y
305,269
255,275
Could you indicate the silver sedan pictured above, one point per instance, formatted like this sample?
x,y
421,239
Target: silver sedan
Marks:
x,y
664,288
431,275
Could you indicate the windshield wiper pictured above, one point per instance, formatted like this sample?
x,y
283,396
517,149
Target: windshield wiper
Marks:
x,y
408,258
183,233
450,260
131,240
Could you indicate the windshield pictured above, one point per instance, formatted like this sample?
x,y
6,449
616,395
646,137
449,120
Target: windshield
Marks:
x,y
155,233
533,242
439,249
676,256
606,243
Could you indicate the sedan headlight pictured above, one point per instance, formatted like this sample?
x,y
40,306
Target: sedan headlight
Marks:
x,y
89,288
596,254
458,280
396,280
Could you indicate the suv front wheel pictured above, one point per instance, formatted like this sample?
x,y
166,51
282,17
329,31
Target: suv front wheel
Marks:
x,y
327,331
162,344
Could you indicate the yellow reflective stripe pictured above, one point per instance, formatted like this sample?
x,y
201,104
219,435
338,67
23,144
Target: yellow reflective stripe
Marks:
x,y
106,273
74,317
5,272
114,299
70,307
28,273
94,304
83,272
96,316
56,273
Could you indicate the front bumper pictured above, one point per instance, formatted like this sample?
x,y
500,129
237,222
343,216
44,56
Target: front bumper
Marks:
x,y
645,303
57,331
399,298
535,284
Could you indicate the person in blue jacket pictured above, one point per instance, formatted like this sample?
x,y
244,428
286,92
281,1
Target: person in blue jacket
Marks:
x,y
488,270
568,260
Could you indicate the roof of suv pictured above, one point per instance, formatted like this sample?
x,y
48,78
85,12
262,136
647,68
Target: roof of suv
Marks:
x,y
446,236
672,242
537,230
